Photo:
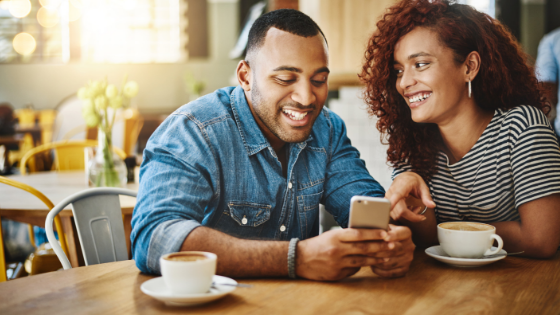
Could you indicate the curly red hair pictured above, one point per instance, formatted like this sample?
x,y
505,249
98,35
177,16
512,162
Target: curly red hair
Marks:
x,y
505,79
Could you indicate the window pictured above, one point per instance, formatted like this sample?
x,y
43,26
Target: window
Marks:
x,y
97,31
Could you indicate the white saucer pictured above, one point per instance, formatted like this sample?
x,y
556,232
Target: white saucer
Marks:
x,y
438,253
157,289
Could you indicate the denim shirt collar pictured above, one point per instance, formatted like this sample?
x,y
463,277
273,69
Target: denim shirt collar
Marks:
x,y
253,137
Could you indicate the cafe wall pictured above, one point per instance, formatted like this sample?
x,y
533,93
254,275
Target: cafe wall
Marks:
x,y
162,86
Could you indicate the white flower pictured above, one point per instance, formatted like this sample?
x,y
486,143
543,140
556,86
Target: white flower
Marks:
x,y
111,91
130,89
92,120
101,103
116,102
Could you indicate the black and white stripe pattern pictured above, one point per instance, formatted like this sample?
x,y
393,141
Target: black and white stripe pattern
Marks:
x,y
515,160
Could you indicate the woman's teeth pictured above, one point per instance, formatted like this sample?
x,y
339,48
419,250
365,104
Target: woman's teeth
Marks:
x,y
294,115
419,97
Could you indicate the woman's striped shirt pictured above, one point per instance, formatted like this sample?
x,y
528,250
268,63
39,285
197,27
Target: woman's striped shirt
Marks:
x,y
515,160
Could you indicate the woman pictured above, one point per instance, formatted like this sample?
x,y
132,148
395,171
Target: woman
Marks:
x,y
460,107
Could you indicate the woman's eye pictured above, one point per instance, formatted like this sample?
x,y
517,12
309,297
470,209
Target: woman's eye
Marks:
x,y
398,72
421,64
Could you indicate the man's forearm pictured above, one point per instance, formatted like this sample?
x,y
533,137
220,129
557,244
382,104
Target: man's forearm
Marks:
x,y
240,257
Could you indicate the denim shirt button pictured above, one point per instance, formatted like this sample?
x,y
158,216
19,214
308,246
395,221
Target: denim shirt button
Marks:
x,y
282,228
290,185
244,220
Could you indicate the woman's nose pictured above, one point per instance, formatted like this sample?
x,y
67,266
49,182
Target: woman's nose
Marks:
x,y
407,80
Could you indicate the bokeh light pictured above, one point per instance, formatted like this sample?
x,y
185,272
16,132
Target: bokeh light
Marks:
x,y
50,4
20,8
75,10
24,44
47,18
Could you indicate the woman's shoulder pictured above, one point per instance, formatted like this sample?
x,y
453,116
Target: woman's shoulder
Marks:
x,y
525,116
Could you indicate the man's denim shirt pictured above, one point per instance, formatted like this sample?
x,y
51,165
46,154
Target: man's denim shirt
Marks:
x,y
209,164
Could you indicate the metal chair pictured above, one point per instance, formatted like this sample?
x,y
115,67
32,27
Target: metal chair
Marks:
x,y
49,205
98,217
69,154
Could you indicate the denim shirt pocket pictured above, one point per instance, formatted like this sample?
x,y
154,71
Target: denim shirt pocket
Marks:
x,y
244,219
308,211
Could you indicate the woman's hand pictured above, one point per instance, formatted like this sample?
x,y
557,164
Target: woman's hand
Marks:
x,y
404,187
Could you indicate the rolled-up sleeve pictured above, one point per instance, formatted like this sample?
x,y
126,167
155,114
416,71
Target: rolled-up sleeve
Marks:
x,y
176,185
346,174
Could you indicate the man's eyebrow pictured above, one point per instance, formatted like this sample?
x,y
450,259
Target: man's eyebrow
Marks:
x,y
288,68
298,70
323,69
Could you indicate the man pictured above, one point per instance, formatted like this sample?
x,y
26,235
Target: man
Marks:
x,y
241,172
547,71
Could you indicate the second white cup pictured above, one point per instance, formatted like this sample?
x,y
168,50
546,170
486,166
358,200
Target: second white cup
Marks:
x,y
468,239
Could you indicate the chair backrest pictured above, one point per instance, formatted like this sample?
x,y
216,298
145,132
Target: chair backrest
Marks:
x,y
98,216
69,154
48,203
70,124
69,119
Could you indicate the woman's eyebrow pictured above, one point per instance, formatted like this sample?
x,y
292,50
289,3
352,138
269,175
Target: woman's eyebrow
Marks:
x,y
419,54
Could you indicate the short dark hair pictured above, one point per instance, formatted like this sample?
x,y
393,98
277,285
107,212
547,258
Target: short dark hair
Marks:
x,y
288,20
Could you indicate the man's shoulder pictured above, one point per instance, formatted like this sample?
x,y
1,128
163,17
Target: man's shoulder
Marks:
x,y
208,108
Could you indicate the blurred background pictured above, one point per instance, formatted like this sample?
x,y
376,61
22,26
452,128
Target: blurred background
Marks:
x,y
176,51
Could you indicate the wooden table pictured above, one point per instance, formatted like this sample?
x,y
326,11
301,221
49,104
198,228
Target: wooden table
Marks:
x,y
510,286
21,206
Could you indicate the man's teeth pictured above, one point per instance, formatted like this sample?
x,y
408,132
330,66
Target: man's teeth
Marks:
x,y
294,115
419,97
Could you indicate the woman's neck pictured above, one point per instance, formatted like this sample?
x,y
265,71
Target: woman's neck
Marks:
x,y
462,132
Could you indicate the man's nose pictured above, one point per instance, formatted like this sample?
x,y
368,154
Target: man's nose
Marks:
x,y
304,94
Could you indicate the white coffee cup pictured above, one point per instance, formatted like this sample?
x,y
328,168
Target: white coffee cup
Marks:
x,y
188,272
468,239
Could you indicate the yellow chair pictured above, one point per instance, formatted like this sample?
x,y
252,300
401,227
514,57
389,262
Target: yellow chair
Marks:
x,y
133,123
48,203
69,154
46,121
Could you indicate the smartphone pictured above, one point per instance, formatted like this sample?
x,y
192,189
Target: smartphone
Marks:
x,y
369,213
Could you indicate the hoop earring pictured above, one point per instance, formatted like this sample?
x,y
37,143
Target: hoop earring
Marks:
x,y
470,91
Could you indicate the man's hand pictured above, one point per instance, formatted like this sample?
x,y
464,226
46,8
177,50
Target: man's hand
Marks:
x,y
405,185
337,254
396,261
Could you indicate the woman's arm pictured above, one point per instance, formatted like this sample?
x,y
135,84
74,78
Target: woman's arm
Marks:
x,y
424,233
538,232
407,202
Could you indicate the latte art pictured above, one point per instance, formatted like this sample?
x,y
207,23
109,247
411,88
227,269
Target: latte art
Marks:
x,y
466,226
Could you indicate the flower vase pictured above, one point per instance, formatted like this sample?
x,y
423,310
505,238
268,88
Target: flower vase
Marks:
x,y
106,169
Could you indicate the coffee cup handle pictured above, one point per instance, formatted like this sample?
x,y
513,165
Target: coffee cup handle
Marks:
x,y
500,245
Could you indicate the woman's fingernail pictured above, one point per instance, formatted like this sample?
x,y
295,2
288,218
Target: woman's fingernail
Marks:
x,y
383,234
385,259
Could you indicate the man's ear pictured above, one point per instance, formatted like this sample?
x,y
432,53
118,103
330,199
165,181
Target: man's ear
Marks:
x,y
244,75
472,64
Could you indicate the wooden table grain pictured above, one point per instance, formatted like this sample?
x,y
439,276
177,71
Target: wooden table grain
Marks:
x,y
21,206
510,286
